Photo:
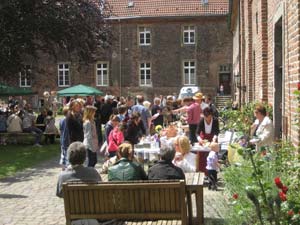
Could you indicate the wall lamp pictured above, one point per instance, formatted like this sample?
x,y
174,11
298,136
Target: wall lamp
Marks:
x,y
237,80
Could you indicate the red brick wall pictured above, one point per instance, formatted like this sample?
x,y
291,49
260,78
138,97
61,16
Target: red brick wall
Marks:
x,y
260,39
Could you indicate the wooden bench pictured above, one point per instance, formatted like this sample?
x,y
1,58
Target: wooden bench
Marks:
x,y
133,200
21,137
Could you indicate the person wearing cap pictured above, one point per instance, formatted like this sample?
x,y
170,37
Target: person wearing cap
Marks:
x,y
193,115
164,169
125,168
90,140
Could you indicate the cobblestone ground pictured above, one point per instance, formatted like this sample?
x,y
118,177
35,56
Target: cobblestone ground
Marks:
x,y
29,199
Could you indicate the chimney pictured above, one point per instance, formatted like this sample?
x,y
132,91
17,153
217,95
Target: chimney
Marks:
x,y
205,2
130,4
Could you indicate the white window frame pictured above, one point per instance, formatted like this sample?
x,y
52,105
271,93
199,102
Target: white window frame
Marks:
x,y
25,77
189,67
189,29
100,81
63,70
143,68
144,30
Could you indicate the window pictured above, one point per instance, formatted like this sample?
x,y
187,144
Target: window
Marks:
x,y
102,73
145,36
25,77
63,74
189,35
145,74
189,72
256,21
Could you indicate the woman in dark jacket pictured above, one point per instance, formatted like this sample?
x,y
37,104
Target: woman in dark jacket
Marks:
x,y
133,131
74,122
208,127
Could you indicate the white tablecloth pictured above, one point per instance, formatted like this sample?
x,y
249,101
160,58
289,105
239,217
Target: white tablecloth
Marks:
x,y
147,153
199,148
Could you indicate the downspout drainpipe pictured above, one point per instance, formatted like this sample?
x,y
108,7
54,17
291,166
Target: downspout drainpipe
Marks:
x,y
120,55
240,52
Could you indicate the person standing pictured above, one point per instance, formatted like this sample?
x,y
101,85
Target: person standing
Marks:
x,y
221,89
212,167
156,110
193,111
144,112
74,122
98,105
133,131
90,140
64,139
115,138
208,128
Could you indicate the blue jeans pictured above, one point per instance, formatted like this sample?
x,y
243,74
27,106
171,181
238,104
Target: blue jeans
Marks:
x,y
36,132
63,156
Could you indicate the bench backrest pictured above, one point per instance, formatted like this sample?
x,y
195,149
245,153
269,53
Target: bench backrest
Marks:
x,y
138,200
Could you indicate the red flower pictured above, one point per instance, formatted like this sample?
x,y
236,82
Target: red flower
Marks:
x,y
235,196
290,212
282,196
278,182
284,189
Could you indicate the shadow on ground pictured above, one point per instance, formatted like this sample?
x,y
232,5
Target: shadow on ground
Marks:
x,y
30,173
12,196
214,221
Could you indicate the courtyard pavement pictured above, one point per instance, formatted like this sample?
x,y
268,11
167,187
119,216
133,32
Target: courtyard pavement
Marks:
x,y
29,199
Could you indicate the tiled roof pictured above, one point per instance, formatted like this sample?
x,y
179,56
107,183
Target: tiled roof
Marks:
x,y
165,8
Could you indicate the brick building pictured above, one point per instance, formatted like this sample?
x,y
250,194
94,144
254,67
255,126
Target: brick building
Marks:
x,y
266,62
158,47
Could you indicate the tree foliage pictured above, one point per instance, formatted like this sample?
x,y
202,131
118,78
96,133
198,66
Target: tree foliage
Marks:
x,y
30,27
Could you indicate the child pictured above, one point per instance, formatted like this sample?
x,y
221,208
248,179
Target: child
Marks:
x,y
212,166
64,139
115,138
90,134
50,129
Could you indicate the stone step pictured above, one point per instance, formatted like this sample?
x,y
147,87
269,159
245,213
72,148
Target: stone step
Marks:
x,y
221,101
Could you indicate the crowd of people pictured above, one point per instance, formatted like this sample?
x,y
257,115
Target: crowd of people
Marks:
x,y
17,118
125,121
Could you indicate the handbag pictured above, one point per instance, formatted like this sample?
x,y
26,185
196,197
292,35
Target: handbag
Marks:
x,y
103,149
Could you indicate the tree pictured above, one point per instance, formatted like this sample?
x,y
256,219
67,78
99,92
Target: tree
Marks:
x,y
30,27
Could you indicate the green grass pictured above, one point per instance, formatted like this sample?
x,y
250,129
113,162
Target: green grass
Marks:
x,y
14,158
